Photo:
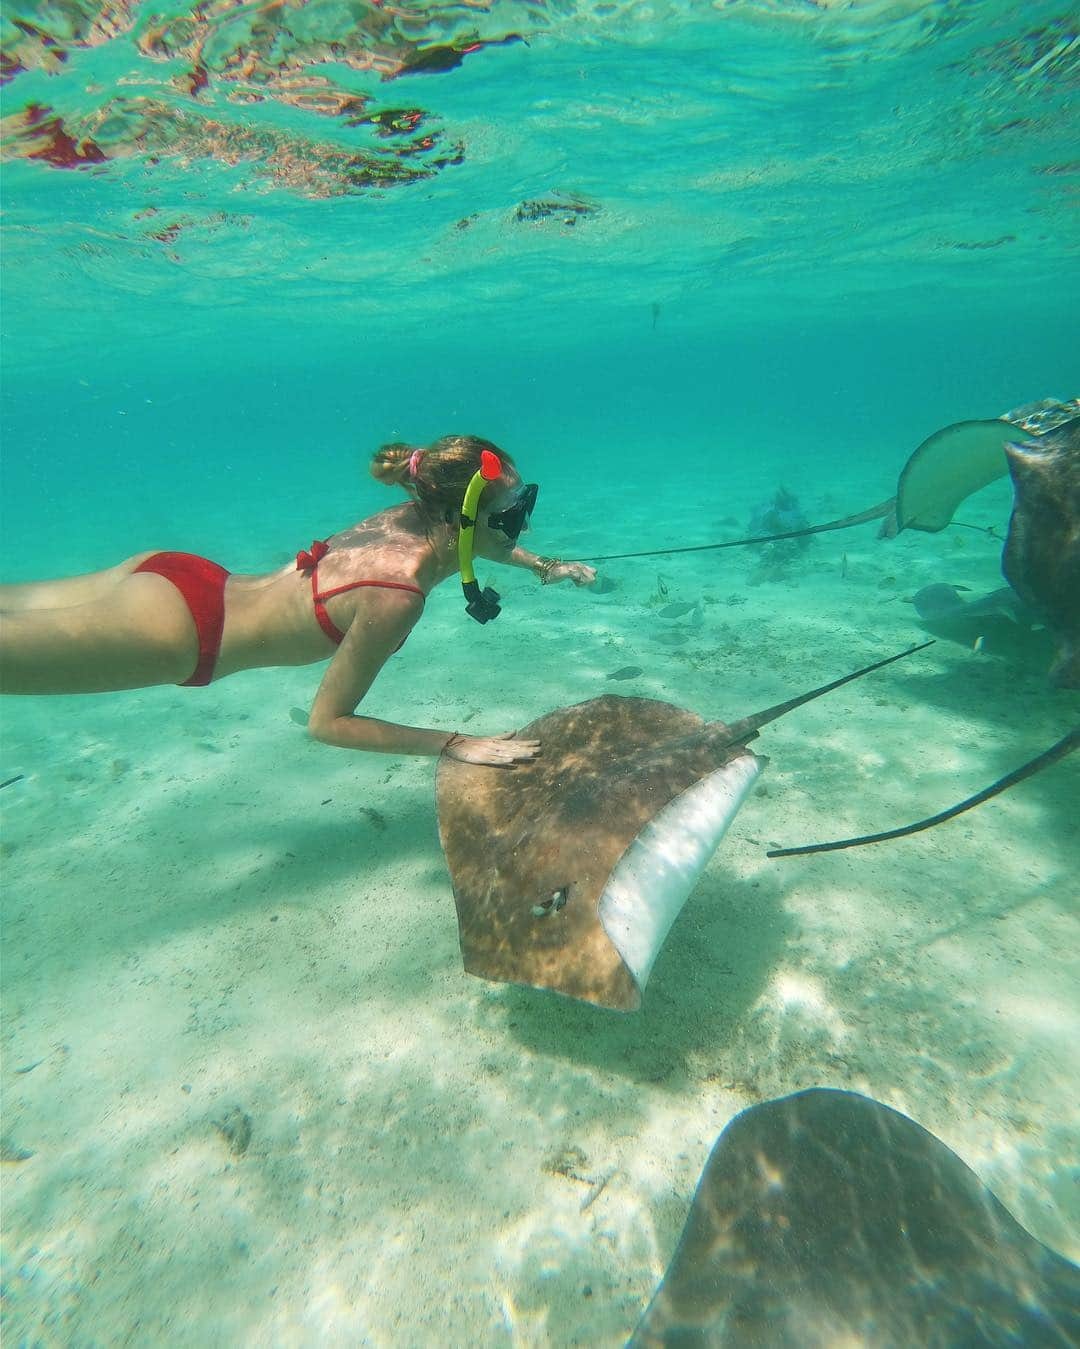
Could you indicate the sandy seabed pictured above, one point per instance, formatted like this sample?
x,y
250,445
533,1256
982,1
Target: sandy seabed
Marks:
x,y
264,1104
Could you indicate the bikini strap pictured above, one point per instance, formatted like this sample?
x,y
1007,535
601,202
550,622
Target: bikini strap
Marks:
x,y
318,599
309,560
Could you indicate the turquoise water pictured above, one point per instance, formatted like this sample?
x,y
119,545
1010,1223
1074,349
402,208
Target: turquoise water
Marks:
x,y
777,244
854,221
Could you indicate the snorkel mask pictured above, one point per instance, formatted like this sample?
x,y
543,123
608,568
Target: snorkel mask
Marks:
x,y
483,605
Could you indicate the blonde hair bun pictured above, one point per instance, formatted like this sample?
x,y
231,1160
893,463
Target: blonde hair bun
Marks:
x,y
390,464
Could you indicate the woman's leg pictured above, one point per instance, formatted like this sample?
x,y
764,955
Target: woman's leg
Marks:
x,y
137,632
69,590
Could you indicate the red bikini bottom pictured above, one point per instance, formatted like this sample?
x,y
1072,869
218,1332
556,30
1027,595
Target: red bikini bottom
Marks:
x,y
202,584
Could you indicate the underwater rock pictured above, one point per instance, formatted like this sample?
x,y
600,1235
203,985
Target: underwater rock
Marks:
x,y
235,1129
1041,558
780,516
565,209
826,1218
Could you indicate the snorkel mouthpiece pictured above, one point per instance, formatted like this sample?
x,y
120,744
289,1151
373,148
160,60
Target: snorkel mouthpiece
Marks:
x,y
483,605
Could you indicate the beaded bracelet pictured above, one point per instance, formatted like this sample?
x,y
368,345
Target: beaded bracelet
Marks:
x,y
546,566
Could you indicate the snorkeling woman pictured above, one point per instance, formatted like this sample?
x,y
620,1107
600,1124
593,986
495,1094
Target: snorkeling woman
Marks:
x,y
165,618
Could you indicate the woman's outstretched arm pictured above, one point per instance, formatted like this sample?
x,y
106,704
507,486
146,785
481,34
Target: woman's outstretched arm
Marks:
x,y
382,623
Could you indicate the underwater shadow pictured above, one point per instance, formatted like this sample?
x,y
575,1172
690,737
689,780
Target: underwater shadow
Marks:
x,y
243,865
714,965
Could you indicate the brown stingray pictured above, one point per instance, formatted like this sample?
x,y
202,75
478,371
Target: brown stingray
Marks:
x,y
568,871
1041,560
826,1218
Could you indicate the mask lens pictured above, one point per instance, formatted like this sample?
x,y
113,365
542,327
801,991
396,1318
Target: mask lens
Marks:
x,y
516,517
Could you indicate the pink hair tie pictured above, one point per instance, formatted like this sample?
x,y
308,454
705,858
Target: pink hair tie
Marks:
x,y
414,462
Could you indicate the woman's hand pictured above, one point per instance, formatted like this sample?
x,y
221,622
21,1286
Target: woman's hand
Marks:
x,y
498,751
579,572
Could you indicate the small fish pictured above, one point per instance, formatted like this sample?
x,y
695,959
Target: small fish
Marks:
x,y
10,1153
670,637
298,715
626,672
677,610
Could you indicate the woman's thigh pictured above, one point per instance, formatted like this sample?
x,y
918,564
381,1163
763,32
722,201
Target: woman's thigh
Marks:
x,y
65,591
140,632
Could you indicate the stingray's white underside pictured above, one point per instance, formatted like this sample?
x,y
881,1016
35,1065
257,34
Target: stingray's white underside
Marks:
x,y
650,883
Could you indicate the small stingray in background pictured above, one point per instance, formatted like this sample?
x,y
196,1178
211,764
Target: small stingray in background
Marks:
x,y
943,603
569,870
826,1218
1041,560
998,623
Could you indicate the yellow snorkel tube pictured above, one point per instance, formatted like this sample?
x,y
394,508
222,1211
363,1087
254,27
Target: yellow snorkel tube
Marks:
x,y
483,605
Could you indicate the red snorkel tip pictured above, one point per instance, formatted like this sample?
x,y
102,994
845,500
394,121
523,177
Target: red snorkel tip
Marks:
x,y
490,466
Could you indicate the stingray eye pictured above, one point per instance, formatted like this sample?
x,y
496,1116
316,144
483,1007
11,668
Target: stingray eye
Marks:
x,y
555,902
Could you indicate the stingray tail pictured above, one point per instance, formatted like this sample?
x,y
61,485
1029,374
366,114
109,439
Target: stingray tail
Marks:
x,y
747,727
882,509
1064,746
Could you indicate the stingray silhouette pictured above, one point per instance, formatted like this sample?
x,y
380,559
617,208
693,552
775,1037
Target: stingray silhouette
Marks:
x,y
826,1218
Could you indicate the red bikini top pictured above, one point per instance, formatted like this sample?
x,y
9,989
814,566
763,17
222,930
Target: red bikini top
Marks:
x,y
306,560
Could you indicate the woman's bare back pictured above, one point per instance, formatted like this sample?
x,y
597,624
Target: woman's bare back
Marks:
x,y
270,619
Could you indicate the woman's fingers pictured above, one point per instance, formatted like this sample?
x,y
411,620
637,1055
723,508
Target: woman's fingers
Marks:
x,y
579,572
499,751
507,747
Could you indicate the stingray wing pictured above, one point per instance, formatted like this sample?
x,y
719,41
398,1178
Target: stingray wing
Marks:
x,y
947,468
